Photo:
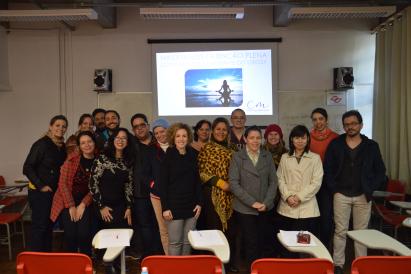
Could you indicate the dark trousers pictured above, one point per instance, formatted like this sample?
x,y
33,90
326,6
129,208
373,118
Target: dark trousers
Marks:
x,y
41,225
77,235
258,234
145,222
326,224
291,224
212,221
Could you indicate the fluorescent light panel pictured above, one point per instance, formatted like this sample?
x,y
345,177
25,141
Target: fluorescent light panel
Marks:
x,y
192,13
340,12
48,15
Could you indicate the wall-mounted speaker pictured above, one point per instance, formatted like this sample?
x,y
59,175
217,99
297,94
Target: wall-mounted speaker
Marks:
x,y
343,78
103,80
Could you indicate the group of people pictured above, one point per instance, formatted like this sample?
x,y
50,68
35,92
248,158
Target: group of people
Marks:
x,y
172,179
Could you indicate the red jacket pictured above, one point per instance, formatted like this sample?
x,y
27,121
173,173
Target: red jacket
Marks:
x,y
63,197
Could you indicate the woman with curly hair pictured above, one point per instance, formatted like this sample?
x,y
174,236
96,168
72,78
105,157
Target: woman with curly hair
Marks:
x,y
111,182
214,162
180,189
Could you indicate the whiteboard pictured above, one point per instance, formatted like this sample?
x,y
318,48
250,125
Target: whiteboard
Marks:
x,y
295,108
127,104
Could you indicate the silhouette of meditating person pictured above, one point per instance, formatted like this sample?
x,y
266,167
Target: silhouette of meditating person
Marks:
x,y
225,92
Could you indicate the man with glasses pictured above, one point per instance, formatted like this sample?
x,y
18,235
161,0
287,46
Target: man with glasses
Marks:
x,y
141,129
353,169
143,213
238,119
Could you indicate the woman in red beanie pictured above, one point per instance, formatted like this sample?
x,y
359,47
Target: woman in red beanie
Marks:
x,y
274,142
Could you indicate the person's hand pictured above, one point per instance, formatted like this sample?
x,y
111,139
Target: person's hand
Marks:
x,y
257,205
167,215
80,211
105,214
127,215
46,189
197,211
291,201
225,186
262,208
297,200
72,212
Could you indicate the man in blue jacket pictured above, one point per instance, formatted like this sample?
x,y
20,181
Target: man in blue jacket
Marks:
x,y
353,169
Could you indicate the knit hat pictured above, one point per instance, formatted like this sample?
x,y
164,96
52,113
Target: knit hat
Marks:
x,y
160,123
271,128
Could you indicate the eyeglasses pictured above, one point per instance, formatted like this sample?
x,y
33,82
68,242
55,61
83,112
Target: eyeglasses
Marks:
x,y
140,126
121,139
353,124
238,118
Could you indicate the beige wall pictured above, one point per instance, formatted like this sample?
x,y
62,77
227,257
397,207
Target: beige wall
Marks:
x,y
51,70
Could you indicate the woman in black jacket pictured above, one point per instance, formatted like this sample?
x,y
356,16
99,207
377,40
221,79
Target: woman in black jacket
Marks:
x,y
42,168
111,182
180,189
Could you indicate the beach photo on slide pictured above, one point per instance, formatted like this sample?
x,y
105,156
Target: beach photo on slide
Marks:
x,y
214,87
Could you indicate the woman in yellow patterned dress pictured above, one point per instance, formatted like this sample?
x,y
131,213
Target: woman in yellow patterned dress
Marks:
x,y
214,162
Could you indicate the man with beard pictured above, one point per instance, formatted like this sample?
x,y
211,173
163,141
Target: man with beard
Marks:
x,y
99,122
353,169
321,136
112,122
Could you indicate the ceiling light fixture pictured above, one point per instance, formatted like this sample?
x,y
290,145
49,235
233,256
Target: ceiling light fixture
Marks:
x,y
192,13
48,15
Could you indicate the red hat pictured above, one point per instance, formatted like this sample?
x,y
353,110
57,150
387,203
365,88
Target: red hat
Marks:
x,y
271,128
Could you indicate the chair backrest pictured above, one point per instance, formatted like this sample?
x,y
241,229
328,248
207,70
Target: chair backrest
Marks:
x,y
198,264
381,265
2,181
396,186
52,263
292,266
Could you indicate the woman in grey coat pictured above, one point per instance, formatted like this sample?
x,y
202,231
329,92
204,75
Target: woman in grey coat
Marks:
x,y
253,181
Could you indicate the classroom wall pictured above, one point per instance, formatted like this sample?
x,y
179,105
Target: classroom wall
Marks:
x,y
51,69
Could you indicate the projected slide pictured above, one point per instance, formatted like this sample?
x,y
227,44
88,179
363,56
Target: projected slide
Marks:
x,y
214,87
214,82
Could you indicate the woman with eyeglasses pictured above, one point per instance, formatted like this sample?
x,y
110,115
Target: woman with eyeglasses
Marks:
x,y
73,198
201,134
111,182
42,168
300,175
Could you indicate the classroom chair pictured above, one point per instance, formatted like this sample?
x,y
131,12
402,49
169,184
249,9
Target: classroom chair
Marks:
x,y
198,264
381,265
9,218
292,266
53,263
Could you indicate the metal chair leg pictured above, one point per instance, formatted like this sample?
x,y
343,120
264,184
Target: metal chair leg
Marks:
x,y
22,233
9,240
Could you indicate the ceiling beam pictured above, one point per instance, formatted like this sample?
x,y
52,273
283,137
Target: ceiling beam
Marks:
x,y
107,16
280,15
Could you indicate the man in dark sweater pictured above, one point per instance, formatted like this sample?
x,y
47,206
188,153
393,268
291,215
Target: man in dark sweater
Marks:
x,y
353,169
145,222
